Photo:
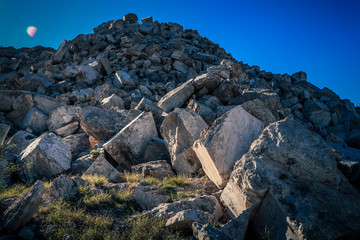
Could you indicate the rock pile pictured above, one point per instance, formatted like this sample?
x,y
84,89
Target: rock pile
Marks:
x,y
283,153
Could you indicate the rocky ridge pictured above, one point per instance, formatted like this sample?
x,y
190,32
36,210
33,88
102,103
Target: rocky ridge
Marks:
x,y
159,101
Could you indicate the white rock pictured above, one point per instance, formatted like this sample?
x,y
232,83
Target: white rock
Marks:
x,y
225,142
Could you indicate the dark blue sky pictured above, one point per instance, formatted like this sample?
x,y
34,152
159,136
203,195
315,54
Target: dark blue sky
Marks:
x,y
321,38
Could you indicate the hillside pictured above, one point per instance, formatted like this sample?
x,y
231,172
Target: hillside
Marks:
x,y
151,131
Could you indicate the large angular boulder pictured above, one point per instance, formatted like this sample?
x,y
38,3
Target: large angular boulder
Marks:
x,y
46,104
63,187
87,74
78,143
290,184
45,157
179,130
129,145
221,145
19,141
149,196
177,97
103,124
36,120
317,113
258,110
102,167
23,209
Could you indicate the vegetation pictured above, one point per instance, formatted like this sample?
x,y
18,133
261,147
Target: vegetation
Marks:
x,y
95,153
14,190
95,180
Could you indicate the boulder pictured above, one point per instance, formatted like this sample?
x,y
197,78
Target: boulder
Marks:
x,y
103,124
236,73
67,129
46,104
147,20
149,196
258,110
63,116
112,102
208,205
129,145
102,167
63,187
207,80
124,78
179,130
157,169
45,157
156,150
290,184
180,66
130,17
87,74
80,165
36,120
299,77
78,143
21,106
223,143
317,113
183,220
177,97
4,129
148,106
23,209
208,232
20,140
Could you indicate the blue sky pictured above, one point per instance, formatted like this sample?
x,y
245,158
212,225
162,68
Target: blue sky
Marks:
x,y
321,38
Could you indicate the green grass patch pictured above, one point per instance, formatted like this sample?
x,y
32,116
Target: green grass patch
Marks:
x,y
95,180
61,218
97,198
14,190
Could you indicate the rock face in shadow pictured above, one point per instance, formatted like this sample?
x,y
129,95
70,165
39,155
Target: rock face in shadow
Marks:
x,y
23,209
289,182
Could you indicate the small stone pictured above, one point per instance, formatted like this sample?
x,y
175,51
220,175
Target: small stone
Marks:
x,y
130,17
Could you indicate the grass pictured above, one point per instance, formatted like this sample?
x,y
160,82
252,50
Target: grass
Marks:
x,y
97,198
142,227
61,218
95,180
14,190
95,154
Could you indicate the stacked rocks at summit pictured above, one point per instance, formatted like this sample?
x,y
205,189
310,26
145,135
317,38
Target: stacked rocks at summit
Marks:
x,y
160,100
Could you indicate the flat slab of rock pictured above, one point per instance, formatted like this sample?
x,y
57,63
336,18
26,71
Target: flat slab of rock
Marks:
x,y
46,104
23,209
259,110
36,120
149,196
113,102
62,116
103,124
148,106
158,169
179,130
177,97
45,157
67,129
291,174
225,142
129,145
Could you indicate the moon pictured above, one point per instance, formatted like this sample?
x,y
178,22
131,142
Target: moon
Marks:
x,y
31,31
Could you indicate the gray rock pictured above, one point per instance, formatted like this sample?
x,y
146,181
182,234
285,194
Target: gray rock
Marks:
x,y
291,174
156,150
26,233
210,81
147,20
63,116
149,196
317,113
157,169
179,130
4,130
148,106
124,78
177,97
208,232
103,124
299,77
20,140
24,208
45,157
78,143
67,129
221,145
146,28
36,120
129,145
113,102
130,17
183,220
102,167
87,74
207,204
258,110
46,104
80,165
62,187
236,73
179,66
